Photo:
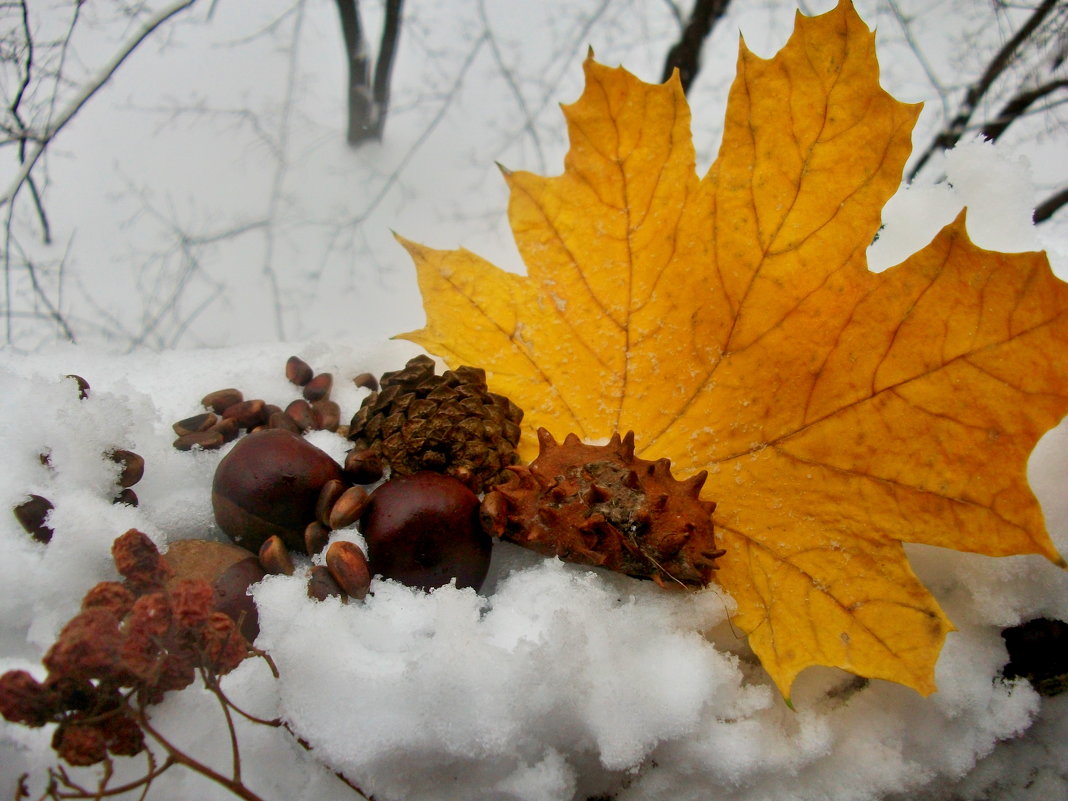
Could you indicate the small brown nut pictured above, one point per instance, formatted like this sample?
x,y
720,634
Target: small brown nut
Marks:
x,y
316,535
127,496
363,467
348,566
228,429
327,414
222,399
247,414
283,420
274,558
328,496
229,569
302,414
133,466
83,386
198,422
348,508
366,381
323,585
31,514
270,409
319,387
205,440
298,371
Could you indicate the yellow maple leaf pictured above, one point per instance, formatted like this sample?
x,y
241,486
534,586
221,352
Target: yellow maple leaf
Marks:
x,y
732,323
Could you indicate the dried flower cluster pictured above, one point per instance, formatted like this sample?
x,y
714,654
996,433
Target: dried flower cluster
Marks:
x,y
132,639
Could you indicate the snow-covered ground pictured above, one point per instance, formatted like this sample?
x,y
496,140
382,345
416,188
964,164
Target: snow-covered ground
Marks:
x,y
556,682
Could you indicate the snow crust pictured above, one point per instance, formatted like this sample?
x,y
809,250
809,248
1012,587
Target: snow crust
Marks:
x,y
557,682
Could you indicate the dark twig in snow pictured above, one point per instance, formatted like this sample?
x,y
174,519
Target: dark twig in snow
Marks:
x,y
1051,205
955,129
1018,106
685,55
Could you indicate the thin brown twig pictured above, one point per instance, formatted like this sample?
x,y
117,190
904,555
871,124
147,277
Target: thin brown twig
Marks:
x,y
86,94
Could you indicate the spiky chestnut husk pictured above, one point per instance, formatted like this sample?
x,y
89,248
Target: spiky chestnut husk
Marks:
x,y
601,505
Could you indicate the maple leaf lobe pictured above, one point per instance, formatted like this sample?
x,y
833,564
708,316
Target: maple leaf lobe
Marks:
x,y
732,322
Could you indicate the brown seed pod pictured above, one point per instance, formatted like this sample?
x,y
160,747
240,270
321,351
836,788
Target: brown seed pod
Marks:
x,y
195,424
348,566
348,508
301,412
319,387
228,429
274,558
328,495
83,386
283,420
366,381
247,414
126,496
268,484
222,399
133,466
327,414
205,440
323,585
298,371
31,515
423,531
316,535
229,569
601,505
363,466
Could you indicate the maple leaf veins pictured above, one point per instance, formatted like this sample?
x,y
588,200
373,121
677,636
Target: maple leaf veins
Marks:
x,y
732,323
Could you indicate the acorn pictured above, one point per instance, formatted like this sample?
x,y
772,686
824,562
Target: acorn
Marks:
x,y
268,485
230,570
423,530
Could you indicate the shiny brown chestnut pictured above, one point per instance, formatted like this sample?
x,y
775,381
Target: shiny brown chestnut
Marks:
x,y
268,485
423,530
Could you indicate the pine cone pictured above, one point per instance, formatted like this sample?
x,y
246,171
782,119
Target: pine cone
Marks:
x,y
449,424
601,505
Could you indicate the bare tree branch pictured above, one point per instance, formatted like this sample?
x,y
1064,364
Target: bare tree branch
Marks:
x,y
387,50
951,134
368,94
1018,106
685,55
44,138
1051,205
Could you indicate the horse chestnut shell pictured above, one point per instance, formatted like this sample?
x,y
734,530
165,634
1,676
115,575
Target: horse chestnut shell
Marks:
x,y
423,530
229,569
267,485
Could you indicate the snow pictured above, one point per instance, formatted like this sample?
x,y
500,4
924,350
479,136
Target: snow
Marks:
x,y
556,682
